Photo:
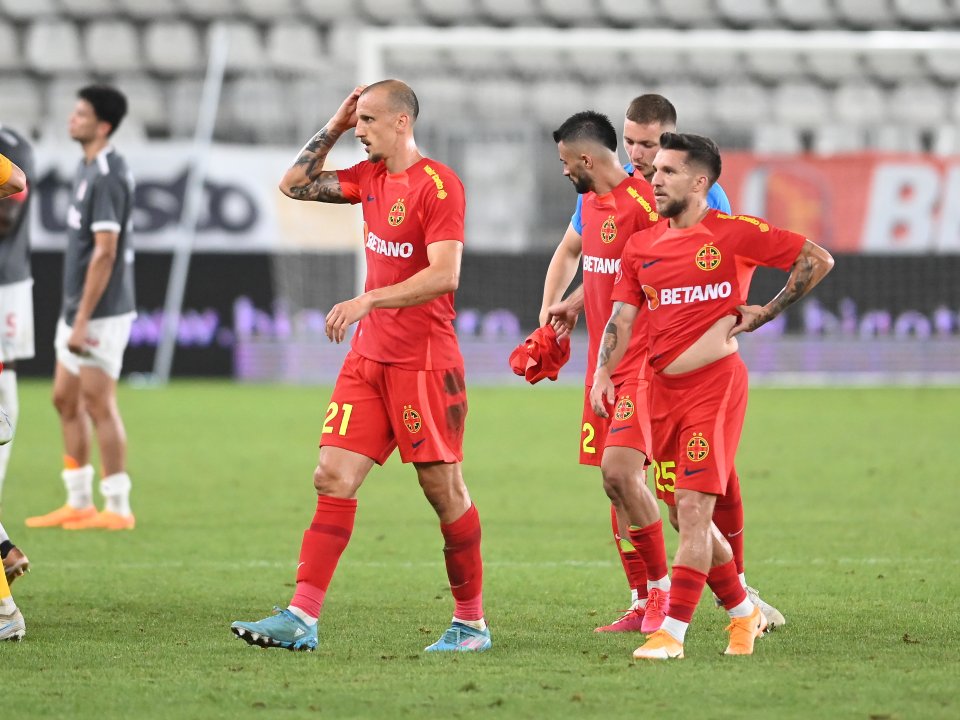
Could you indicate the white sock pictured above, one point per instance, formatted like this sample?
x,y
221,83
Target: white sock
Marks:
x,y
676,628
661,584
11,403
7,605
744,609
116,491
308,619
480,624
743,580
3,534
634,597
79,485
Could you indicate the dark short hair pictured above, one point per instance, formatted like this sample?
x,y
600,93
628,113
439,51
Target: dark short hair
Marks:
x,y
401,96
587,125
652,108
108,103
700,151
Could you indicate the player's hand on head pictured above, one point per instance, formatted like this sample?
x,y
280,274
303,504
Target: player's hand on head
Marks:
x,y
749,318
346,115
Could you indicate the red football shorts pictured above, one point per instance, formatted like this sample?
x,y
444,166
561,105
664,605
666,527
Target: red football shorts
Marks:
x,y
697,419
376,407
627,426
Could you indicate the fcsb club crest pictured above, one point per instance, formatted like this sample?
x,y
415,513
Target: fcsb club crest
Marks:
x,y
398,211
608,231
411,419
697,448
708,257
624,409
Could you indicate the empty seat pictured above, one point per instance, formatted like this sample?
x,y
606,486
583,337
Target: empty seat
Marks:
x,y
865,13
480,60
748,13
800,104
257,107
776,139
22,104
416,61
637,13
925,13
500,99
112,46
509,12
10,59
146,99
294,46
921,104
694,103
33,10
595,64
774,65
535,63
612,97
553,101
946,140
568,12
944,64
689,13
245,49
714,65
449,12
895,139
809,13
836,139
859,104
268,10
834,66
741,103
327,11
660,66
53,46
391,12
894,65
441,98
82,9
149,9
210,9
183,105
173,47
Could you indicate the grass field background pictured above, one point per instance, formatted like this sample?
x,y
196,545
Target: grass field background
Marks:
x,y
852,499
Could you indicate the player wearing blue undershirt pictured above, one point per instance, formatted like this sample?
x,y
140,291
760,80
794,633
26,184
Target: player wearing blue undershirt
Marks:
x,y
647,118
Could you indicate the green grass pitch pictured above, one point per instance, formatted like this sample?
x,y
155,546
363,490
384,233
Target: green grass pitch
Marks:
x,y
852,499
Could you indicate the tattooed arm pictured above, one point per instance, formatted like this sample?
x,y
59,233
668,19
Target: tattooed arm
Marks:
x,y
613,345
810,267
306,179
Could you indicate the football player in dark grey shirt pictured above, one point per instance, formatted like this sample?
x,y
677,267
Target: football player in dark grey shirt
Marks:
x,y
97,312
16,312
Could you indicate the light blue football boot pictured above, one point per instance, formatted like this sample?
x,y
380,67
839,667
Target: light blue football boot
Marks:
x,y
461,638
283,629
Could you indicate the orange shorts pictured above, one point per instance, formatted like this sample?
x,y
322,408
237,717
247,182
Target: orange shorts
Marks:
x,y
697,420
376,407
627,426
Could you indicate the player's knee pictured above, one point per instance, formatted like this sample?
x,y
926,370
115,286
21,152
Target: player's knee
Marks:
x,y
67,404
615,481
98,406
328,480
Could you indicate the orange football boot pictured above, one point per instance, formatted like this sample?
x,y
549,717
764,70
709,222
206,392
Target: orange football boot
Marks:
x,y
104,520
60,516
743,631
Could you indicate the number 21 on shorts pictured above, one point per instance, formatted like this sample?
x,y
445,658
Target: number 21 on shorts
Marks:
x,y
332,411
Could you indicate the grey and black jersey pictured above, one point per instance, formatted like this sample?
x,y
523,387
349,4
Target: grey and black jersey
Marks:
x,y
102,200
15,212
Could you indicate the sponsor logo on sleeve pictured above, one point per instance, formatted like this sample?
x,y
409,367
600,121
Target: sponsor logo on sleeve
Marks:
x,y
441,193
648,208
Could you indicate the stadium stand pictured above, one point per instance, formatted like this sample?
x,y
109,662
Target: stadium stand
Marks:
x,y
829,98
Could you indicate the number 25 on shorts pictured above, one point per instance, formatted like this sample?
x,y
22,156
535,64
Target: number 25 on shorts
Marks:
x,y
664,475
332,411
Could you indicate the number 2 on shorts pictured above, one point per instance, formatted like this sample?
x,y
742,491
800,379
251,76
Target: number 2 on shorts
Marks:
x,y
589,434
332,411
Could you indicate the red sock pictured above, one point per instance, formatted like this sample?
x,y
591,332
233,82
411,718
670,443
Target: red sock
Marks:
x,y
633,565
725,583
649,543
323,543
686,587
728,517
461,552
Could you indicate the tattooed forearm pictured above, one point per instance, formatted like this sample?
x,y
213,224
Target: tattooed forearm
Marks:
x,y
321,189
306,179
798,284
608,343
314,153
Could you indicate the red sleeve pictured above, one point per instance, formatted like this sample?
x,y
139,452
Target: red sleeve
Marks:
x,y
626,287
765,244
350,180
444,206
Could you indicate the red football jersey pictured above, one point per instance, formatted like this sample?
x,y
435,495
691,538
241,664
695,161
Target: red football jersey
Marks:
x,y
608,221
402,214
691,277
